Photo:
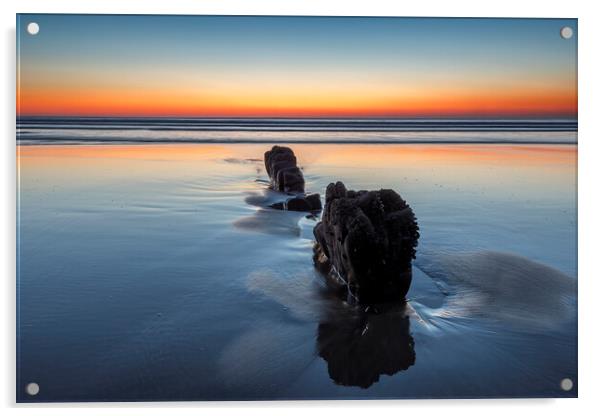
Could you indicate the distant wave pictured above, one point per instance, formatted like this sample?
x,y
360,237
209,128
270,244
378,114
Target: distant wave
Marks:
x,y
40,130
301,124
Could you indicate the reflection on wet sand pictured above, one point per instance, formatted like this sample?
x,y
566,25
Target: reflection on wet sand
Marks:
x,y
358,345
361,346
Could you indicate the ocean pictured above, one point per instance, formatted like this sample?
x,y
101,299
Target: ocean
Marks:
x,y
293,130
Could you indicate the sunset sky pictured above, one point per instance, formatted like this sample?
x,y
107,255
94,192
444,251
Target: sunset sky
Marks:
x,y
291,66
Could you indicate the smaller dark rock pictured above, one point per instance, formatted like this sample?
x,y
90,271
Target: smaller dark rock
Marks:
x,y
314,202
307,203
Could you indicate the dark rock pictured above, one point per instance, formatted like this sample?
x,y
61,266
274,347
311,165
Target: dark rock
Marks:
x,y
307,203
281,165
365,244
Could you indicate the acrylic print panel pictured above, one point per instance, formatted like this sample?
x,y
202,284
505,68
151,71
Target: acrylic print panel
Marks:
x,y
258,208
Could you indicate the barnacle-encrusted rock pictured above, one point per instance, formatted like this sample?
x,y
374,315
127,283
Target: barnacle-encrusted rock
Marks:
x,y
365,244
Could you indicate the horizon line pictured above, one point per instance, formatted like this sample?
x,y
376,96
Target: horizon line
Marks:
x,y
323,117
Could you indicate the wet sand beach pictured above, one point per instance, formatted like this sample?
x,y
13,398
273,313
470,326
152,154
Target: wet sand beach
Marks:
x,y
154,272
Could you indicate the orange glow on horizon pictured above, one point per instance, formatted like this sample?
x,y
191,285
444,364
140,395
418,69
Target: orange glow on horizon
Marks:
x,y
334,102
